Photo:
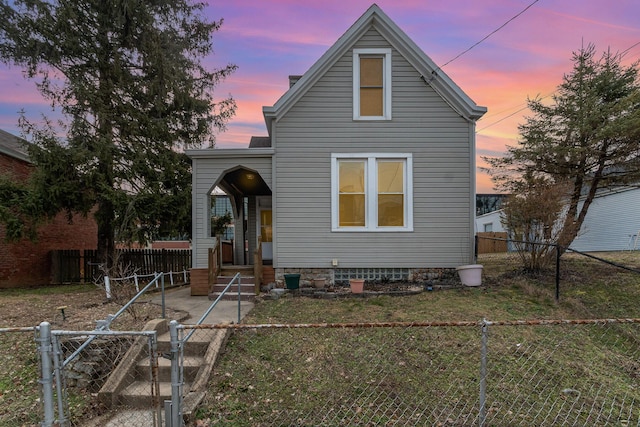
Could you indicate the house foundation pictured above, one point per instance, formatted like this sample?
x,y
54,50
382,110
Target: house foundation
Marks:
x,y
333,276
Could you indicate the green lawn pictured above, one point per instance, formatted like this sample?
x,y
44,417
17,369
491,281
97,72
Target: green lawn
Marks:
x,y
536,375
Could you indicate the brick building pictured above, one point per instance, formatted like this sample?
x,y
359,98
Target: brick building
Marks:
x,y
27,263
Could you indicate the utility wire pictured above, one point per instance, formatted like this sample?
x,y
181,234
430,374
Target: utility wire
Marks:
x,y
629,48
487,36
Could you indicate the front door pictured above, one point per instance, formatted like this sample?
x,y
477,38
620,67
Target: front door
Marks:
x,y
265,229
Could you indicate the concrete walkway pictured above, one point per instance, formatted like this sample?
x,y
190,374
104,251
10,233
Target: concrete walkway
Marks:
x,y
181,299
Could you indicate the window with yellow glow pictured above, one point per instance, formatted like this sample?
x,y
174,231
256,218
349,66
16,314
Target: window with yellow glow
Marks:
x,y
371,84
266,231
390,193
371,87
371,192
352,194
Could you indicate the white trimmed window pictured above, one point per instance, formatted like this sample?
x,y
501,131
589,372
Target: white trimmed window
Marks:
x,y
371,192
372,84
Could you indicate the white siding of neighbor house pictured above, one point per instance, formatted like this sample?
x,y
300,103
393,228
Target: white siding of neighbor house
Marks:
x,y
611,224
321,123
493,218
206,171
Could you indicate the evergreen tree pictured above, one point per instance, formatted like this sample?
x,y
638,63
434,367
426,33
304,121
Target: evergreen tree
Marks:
x,y
588,138
129,79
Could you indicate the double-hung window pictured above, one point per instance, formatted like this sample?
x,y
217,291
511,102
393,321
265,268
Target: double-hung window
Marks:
x,y
372,84
371,192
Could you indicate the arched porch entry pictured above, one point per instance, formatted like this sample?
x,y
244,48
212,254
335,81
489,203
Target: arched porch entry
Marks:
x,y
250,199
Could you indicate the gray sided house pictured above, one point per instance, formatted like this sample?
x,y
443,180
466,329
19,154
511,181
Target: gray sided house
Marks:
x,y
368,168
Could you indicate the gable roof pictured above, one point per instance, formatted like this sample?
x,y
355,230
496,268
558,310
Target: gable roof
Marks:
x,y
374,16
13,146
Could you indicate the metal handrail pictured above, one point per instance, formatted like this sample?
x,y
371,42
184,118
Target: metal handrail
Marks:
x,y
104,324
213,305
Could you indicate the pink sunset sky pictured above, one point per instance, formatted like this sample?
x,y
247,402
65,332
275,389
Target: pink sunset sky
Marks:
x,y
271,39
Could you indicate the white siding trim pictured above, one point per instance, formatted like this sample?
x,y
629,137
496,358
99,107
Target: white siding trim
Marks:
x,y
386,82
371,210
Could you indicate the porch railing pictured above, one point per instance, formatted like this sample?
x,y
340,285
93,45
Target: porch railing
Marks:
x,y
214,262
257,265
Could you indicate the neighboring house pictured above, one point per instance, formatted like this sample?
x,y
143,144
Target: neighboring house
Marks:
x,y
27,263
490,222
368,168
612,222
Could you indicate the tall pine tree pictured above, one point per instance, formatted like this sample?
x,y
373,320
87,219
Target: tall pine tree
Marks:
x,y
588,138
129,79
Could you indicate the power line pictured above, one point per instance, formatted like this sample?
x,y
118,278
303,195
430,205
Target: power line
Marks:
x,y
526,105
502,119
489,35
629,48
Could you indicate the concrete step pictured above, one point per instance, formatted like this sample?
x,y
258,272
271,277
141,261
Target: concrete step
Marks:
x,y
247,288
244,287
191,366
233,296
223,278
138,394
197,344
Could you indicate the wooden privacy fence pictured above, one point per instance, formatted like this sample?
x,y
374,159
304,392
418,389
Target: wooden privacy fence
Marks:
x,y
492,242
78,266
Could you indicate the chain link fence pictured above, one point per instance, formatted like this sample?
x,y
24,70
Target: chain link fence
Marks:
x,y
511,258
486,373
542,373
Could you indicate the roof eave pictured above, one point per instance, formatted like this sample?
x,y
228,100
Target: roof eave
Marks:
x,y
208,153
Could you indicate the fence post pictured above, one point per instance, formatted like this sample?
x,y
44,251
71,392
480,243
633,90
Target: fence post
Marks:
x,y
483,374
557,273
176,386
57,357
46,374
107,286
163,296
475,248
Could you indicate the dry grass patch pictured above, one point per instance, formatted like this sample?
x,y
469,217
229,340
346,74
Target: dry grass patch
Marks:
x,y
366,376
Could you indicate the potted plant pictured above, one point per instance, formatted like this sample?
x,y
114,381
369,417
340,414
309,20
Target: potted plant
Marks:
x,y
357,285
319,282
470,275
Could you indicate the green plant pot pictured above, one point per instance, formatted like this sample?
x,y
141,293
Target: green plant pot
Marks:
x,y
292,281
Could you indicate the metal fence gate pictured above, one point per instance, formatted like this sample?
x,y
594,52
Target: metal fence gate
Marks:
x,y
75,365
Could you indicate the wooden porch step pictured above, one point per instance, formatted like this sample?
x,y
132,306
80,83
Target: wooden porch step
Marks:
x,y
232,270
226,278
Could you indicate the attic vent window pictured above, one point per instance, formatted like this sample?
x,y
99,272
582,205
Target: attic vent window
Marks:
x,y
372,84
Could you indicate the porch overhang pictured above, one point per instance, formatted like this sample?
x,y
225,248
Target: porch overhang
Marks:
x,y
243,181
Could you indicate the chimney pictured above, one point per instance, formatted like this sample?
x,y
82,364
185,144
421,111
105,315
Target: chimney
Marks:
x,y
293,80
